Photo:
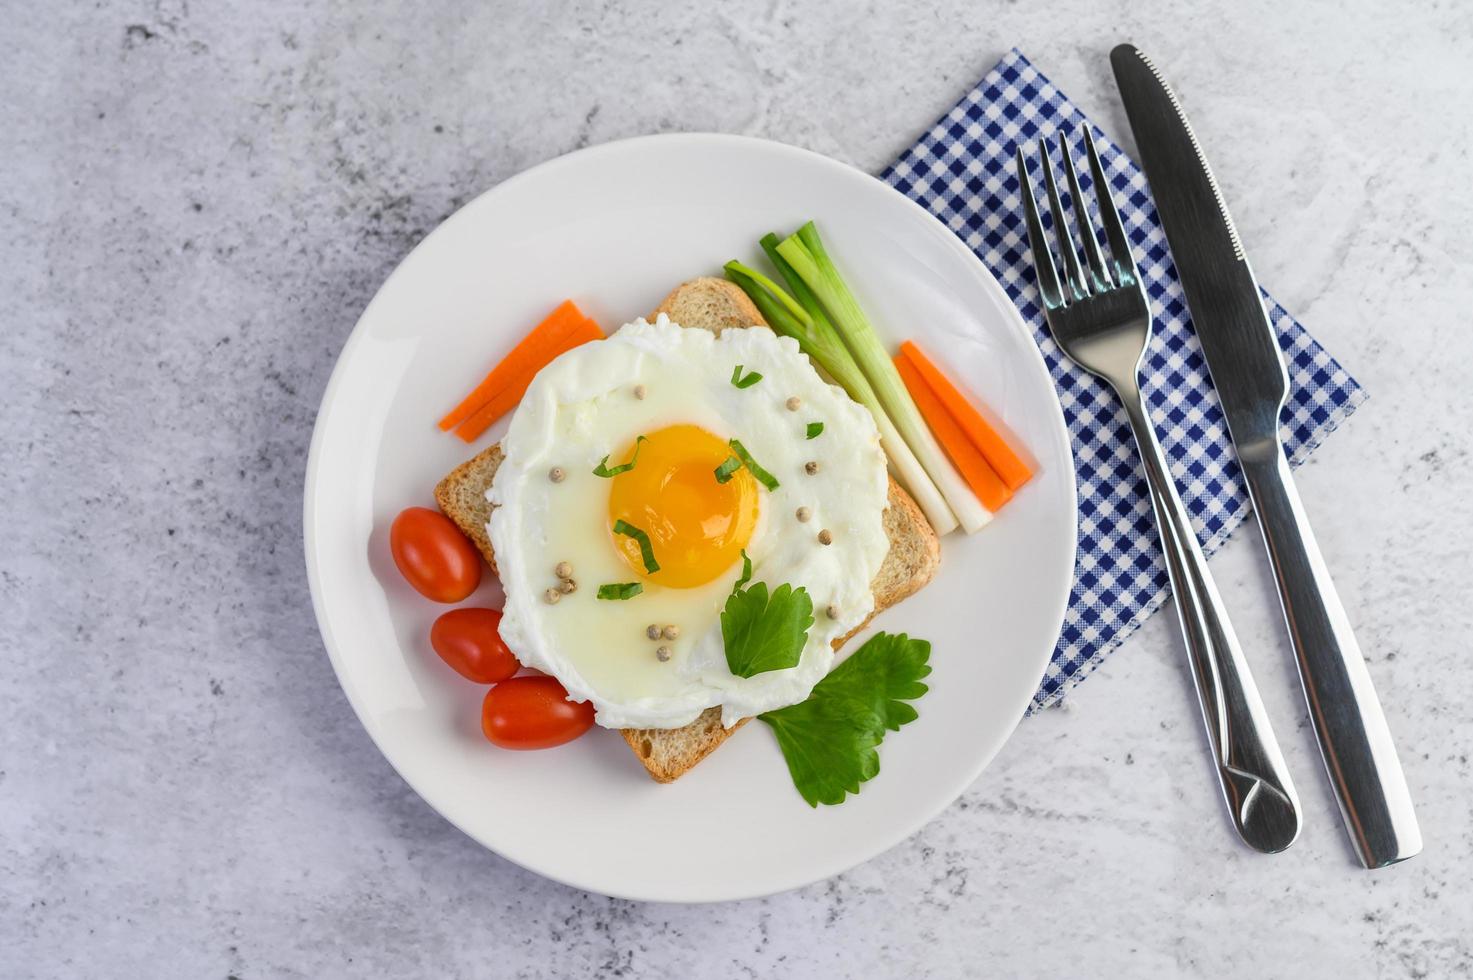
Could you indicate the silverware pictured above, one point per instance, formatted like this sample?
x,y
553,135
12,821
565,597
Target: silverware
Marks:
x,y
1100,318
1243,356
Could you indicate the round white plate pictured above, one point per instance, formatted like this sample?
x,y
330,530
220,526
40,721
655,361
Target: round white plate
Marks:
x,y
614,228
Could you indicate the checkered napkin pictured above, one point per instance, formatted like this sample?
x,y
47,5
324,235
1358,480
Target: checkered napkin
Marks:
x,y
962,172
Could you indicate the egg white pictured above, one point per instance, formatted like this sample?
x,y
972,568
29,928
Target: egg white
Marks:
x,y
582,407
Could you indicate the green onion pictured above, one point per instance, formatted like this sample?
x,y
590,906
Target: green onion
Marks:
x,y
786,308
620,590
603,469
744,382
815,429
646,552
818,339
726,470
801,293
763,477
805,254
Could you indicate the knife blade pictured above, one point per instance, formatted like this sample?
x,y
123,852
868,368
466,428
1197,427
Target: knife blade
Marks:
x,y
1242,354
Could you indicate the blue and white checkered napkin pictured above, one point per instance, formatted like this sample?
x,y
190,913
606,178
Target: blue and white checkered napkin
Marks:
x,y
962,172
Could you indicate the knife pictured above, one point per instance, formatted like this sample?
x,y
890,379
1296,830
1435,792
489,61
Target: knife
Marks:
x,y
1242,355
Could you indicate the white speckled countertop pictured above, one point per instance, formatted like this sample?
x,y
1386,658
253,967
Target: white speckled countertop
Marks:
x,y
198,200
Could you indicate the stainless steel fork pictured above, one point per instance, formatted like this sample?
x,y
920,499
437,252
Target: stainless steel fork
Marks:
x,y
1100,318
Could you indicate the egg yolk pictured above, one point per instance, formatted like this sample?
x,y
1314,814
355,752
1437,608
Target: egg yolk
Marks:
x,y
697,526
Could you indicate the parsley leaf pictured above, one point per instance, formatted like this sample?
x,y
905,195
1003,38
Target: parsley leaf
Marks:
x,y
882,674
830,740
620,590
748,381
828,753
762,632
646,552
603,469
815,429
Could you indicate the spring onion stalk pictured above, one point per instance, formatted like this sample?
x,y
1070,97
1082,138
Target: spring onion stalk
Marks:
x,y
818,340
805,255
809,300
800,289
780,310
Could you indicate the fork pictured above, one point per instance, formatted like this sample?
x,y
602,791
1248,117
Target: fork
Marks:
x,y
1101,319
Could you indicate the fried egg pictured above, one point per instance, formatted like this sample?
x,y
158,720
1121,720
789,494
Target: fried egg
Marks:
x,y
807,509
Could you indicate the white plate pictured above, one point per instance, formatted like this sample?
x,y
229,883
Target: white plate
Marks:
x,y
614,228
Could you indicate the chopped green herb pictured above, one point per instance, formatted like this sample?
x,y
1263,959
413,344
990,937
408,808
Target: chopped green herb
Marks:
x,y
620,590
762,632
746,381
746,572
646,552
763,477
815,429
830,740
728,469
603,469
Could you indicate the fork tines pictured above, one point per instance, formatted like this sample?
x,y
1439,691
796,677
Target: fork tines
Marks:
x,y
1096,275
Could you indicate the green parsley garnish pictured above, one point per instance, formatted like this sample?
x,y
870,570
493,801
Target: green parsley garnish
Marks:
x,y
763,632
763,477
645,551
830,740
620,590
744,382
605,470
815,429
728,469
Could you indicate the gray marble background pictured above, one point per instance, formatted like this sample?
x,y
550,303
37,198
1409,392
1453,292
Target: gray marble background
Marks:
x,y
196,201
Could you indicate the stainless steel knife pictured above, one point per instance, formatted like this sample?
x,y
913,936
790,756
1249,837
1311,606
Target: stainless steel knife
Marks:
x,y
1242,355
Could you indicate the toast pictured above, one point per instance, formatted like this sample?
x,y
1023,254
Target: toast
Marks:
x,y
668,753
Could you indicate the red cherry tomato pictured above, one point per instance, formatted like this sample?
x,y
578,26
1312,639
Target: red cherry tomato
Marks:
x,y
432,554
467,639
533,713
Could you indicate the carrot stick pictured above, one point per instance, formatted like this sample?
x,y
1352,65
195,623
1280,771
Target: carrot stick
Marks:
x,y
507,398
970,463
999,455
532,349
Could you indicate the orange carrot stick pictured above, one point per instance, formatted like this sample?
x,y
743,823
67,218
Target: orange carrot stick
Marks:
x,y
999,455
970,463
532,349
507,398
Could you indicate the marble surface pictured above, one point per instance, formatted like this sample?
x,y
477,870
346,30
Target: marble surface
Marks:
x,y
197,201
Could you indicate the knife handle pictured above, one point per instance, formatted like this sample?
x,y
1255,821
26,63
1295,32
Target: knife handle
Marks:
x,y
1354,739
1250,768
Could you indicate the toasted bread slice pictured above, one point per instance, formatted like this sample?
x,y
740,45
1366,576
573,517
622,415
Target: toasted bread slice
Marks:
x,y
915,553
462,496
711,304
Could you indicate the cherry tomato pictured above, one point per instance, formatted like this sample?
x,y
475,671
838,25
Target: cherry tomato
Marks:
x,y
533,713
432,554
467,639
